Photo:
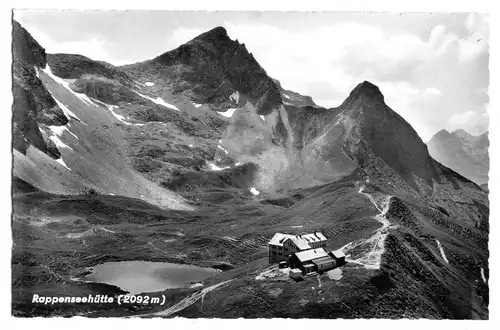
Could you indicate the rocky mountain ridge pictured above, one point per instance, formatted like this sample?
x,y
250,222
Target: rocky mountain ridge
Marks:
x,y
212,67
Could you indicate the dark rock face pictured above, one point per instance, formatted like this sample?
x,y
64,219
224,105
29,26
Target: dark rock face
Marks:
x,y
389,136
210,68
48,112
33,104
71,66
25,48
462,152
399,213
308,123
21,186
25,125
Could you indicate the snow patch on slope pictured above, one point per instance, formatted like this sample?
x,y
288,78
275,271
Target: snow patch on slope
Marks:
x,y
149,84
111,109
218,146
61,161
196,105
59,130
482,275
214,167
55,133
159,101
442,251
254,191
262,117
235,97
228,113
55,136
68,113
117,116
84,98
138,84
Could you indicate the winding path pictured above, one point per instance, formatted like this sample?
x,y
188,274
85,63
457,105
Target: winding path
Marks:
x,y
368,252
186,302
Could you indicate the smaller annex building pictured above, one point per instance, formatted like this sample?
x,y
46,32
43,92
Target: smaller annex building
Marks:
x,y
339,257
316,260
310,261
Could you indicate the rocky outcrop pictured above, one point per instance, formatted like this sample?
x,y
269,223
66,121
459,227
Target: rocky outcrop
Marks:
x,y
103,89
399,213
33,104
71,66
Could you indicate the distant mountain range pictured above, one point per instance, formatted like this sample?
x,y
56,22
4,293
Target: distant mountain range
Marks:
x,y
462,152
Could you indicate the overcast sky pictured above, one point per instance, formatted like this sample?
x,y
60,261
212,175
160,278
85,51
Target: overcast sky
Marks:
x,y
432,68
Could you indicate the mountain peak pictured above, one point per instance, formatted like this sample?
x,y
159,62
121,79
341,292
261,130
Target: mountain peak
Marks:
x,y
219,30
367,89
25,47
216,34
227,62
441,134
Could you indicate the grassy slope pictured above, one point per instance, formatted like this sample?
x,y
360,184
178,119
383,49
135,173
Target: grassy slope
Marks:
x,y
414,281
140,233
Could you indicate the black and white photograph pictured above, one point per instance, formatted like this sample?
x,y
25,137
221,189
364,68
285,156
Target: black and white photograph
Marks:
x,y
250,164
